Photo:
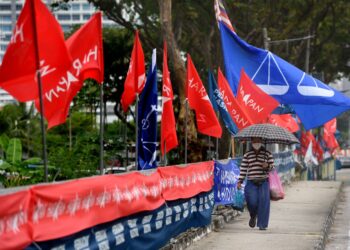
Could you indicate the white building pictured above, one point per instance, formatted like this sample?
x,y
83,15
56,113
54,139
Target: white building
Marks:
x,y
78,12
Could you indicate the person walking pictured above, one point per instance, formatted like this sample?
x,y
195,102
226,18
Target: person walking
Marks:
x,y
256,165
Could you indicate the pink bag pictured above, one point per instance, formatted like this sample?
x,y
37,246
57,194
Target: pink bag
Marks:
x,y
276,188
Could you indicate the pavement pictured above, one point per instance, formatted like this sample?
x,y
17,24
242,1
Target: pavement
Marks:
x,y
300,221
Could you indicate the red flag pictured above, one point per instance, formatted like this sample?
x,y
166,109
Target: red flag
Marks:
x,y
135,79
318,151
86,49
198,100
331,125
240,118
168,125
255,102
285,121
27,52
305,139
330,139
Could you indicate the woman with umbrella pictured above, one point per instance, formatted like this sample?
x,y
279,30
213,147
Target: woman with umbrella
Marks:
x,y
256,165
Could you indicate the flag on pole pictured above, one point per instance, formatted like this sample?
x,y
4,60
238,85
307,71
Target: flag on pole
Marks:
x,y
19,66
135,79
331,125
147,123
198,100
285,121
86,49
239,117
168,135
313,101
254,102
219,104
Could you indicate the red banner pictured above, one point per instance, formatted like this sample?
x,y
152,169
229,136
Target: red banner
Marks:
x,y
285,121
181,182
51,211
14,225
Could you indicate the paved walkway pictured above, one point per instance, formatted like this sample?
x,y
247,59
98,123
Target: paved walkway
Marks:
x,y
297,222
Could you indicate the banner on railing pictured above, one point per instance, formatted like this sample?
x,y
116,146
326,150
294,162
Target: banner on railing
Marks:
x,y
226,175
146,230
52,211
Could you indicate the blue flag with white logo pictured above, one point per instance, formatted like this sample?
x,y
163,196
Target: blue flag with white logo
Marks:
x,y
147,123
313,101
219,104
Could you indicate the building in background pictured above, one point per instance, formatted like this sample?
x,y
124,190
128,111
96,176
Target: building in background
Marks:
x,y
76,12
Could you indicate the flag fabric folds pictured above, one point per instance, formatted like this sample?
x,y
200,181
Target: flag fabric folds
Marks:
x,y
285,121
147,123
314,102
86,49
198,100
219,104
26,53
168,137
135,78
255,102
239,117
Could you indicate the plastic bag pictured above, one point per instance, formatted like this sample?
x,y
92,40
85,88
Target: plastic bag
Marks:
x,y
276,188
238,200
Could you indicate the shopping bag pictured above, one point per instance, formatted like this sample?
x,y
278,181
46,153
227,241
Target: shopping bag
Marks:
x,y
276,188
238,200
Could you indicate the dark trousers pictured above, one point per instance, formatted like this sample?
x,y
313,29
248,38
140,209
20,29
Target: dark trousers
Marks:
x,y
258,201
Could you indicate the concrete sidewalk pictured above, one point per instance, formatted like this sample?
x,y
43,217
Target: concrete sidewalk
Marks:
x,y
300,221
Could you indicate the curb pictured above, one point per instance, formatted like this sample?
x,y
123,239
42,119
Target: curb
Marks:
x,y
320,245
220,216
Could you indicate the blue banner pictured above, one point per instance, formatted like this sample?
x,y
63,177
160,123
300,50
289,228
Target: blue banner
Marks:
x,y
146,230
219,104
225,181
147,123
313,101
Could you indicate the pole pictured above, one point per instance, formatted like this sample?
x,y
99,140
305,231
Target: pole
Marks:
x,y
186,118
165,161
209,146
307,57
217,143
137,131
101,129
266,39
38,75
70,130
233,147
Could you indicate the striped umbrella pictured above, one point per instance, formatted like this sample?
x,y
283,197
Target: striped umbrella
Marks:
x,y
268,133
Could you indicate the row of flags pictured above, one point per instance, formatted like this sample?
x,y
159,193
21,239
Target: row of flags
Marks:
x,y
257,82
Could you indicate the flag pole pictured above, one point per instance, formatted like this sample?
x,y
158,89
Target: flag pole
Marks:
x,y
70,129
101,129
137,131
38,75
165,154
217,142
186,118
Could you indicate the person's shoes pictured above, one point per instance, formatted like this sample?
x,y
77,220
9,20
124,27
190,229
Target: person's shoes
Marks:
x,y
262,228
252,222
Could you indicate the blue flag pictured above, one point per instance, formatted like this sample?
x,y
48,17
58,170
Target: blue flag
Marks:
x,y
147,123
313,101
219,104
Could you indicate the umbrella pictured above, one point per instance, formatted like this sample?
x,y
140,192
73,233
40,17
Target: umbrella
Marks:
x,y
269,134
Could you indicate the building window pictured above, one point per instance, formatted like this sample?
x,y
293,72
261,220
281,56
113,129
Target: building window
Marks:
x,y
5,18
6,27
76,17
86,17
18,6
6,37
75,6
3,47
63,17
86,6
5,7
66,28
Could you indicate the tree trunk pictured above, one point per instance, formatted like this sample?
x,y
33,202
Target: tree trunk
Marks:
x,y
178,79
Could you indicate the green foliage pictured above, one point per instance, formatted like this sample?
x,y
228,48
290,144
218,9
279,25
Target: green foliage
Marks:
x,y
14,151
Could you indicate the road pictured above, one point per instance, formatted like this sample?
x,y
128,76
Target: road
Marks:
x,y
339,235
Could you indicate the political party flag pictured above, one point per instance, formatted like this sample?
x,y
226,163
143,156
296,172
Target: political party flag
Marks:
x,y
147,123
255,102
219,104
331,125
198,100
86,48
313,101
168,137
135,78
37,43
239,117
285,121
